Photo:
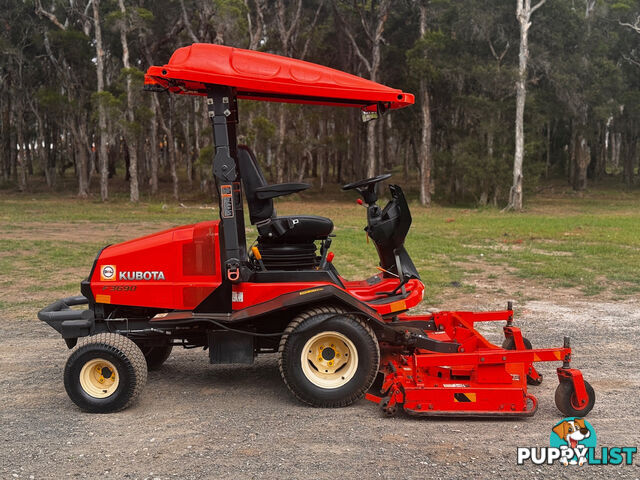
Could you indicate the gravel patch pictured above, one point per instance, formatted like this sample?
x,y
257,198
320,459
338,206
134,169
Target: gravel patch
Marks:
x,y
196,420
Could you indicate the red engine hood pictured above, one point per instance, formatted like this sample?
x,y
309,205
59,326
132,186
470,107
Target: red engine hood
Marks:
x,y
173,269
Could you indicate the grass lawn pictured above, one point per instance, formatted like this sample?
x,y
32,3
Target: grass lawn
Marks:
x,y
588,244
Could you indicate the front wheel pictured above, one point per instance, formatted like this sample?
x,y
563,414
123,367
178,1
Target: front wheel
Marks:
x,y
328,358
105,373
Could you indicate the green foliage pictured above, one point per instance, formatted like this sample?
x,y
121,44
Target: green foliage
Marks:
x,y
75,46
583,81
205,158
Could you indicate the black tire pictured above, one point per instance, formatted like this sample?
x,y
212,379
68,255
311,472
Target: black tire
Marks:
x,y
510,344
155,355
309,325
125,362
566,399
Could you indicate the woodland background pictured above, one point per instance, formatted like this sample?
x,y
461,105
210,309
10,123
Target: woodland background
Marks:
x,y
73,117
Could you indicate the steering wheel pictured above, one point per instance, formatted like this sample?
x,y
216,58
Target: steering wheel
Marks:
x,y
367,188
361,184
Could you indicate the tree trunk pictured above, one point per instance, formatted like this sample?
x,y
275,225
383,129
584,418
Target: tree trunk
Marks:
x,y
523,14
628,158
601,158
80,137
102,114
548,152
571,170
170,146
196,129
582,160
615,150
188,147
22,152
425,156
278,163
153,146
6,132
131,140
515,200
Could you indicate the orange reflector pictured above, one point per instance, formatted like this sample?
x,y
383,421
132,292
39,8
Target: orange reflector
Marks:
x,y
397,306
558,356
256,253
536,357
464,397
103,298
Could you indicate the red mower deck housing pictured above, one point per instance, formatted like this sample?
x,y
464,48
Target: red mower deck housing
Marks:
x,y
337,340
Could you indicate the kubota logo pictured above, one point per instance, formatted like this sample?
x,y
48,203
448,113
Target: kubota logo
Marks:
x,y
137,275
108,273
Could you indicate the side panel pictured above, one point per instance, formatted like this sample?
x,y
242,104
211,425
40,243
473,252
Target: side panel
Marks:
x,y
174,269
247,294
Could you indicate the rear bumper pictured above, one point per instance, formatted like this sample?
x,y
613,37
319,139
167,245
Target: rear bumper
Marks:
x,y
68,322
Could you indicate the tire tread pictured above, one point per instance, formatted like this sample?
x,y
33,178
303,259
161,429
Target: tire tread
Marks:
x,y
124,348
282,355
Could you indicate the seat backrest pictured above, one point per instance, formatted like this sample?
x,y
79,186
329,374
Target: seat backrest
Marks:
x,y
253,178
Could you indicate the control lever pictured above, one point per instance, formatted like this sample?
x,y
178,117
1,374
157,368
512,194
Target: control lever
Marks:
x,y
400,275
403,280
258,256
324,250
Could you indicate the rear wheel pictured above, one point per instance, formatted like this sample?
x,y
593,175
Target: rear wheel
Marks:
x,y
105,373
328,358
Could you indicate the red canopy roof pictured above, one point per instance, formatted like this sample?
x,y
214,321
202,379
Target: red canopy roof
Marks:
x,y
263,76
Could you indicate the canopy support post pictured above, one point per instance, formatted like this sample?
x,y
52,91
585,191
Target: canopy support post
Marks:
x,y
223,113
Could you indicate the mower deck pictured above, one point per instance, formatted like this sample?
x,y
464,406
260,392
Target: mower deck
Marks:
x,y
476,379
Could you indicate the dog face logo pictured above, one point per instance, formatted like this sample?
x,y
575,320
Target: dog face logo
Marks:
x,y
573,436
572,431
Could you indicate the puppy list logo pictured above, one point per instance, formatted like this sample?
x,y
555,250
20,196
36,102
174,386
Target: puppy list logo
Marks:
x,y
573,442
573,436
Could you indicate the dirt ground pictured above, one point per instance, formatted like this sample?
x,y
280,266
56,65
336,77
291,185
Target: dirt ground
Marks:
x,y
196,420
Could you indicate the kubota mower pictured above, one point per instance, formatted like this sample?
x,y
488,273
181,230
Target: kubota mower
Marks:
x,y
199,286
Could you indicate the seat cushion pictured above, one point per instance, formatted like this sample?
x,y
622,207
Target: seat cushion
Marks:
x,y
295,229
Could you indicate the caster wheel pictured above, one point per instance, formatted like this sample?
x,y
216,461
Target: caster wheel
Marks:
x,y
386,409
567,403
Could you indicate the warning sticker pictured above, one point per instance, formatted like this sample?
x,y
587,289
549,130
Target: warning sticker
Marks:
x,y
237,297
226,196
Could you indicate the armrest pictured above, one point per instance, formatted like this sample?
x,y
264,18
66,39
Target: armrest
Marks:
x,y
280,189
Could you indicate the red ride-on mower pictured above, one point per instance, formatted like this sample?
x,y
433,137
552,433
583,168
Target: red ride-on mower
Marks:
x,y
199,286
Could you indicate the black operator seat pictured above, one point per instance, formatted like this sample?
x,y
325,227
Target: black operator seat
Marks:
x,y
260,195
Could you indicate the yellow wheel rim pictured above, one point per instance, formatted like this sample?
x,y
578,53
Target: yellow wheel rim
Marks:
x,y
99,378
329,360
